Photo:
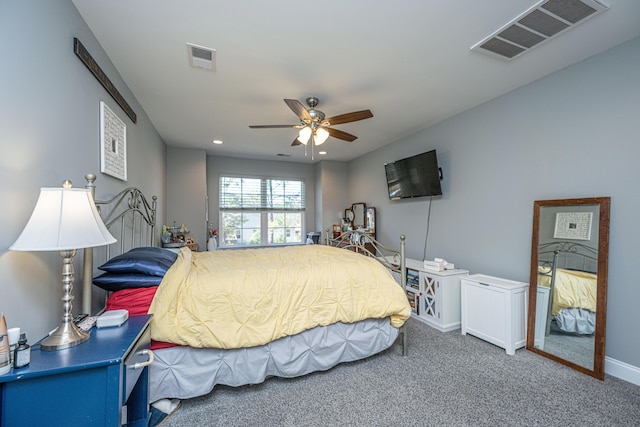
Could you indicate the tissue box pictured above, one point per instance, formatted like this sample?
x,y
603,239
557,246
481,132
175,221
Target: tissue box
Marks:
x,y
433,265
112,318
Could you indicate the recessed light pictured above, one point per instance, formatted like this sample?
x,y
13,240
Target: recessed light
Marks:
x,y
217,141
322,152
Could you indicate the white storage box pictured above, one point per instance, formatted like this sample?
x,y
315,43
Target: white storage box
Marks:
x,y
495,310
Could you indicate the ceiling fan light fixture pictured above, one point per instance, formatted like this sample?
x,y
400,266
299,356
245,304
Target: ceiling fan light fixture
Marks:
x,y
313,124
320,136
304,135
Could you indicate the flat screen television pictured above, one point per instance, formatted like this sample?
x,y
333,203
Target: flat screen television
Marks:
x,y
416,176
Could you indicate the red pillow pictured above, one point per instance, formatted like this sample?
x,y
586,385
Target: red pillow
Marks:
x,y
137,302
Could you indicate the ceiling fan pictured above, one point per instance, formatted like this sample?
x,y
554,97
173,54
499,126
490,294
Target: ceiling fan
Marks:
x,y
313,124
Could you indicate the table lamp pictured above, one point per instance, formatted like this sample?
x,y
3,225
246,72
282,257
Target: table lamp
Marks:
x,y
64,220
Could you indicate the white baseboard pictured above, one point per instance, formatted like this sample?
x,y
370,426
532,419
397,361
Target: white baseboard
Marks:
x,y
622,370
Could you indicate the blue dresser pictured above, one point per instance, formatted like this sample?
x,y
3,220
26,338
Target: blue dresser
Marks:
x,y
101,382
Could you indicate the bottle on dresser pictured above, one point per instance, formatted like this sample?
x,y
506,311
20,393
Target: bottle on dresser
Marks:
x,y
22,353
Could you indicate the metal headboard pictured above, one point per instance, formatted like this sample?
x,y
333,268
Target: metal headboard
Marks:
x,y
393,259
570,255
366,244
130,218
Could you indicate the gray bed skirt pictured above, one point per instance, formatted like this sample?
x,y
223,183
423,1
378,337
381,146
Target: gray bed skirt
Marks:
x,y
577,321
185,372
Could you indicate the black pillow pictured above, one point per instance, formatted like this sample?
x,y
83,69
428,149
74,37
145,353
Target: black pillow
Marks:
x,y
146,260
115,282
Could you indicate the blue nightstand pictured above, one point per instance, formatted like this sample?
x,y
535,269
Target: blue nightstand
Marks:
x,y
94,383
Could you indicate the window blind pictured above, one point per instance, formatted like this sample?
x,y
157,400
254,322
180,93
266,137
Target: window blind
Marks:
x,y
261,194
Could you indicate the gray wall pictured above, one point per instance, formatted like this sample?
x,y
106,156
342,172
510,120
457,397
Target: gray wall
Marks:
x,y
571,134
217,165
187,191
331,185
49,117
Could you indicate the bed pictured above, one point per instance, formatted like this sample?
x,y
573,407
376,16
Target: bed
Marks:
x,y
213,326
567,275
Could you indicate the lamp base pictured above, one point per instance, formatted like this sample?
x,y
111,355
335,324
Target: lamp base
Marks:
x,y
65,336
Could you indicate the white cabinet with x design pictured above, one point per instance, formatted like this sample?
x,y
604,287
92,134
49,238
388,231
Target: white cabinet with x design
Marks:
x,y
434,295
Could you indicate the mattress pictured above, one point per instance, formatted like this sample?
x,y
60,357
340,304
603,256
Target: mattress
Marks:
x,y
186,372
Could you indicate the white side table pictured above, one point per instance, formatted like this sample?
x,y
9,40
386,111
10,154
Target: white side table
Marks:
x,y
434,295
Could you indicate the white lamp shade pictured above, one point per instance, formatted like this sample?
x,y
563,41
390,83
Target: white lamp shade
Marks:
x,y
304,135
321,136
63,219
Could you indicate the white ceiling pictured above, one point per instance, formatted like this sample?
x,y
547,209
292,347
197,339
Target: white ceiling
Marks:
x,y
407,61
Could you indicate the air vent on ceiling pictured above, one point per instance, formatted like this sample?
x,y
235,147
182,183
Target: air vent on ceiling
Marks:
x,y
542,22
202,57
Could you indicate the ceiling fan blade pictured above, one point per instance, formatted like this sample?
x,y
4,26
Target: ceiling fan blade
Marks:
x,y
272,126
296,142
341,135
298,109
347,118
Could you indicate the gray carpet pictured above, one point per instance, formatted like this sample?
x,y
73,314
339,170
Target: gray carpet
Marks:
x,y
575,348
447,380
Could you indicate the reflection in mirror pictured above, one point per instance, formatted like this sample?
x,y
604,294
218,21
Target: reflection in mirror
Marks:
x,y
348,217
358,215
568,289
370,221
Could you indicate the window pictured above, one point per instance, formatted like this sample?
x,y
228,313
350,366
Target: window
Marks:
x,y
261,211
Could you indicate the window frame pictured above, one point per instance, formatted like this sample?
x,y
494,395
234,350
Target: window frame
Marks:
x,y
263,209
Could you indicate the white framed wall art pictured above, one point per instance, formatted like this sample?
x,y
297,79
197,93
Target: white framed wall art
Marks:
x,y
113,144
573,225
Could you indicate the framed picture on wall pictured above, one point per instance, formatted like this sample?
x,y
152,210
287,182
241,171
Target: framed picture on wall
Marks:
x,y
113,144
573,225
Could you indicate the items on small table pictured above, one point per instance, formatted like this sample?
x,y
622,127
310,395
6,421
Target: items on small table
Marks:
x,y
190,242
5,357
176,237
112,318
358,217
212,240
93,381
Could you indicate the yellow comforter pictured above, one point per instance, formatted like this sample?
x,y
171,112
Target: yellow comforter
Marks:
x,y
244,298
572,288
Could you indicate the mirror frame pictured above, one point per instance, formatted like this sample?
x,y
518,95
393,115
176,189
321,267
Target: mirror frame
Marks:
x,y
348,216
604,204
358,209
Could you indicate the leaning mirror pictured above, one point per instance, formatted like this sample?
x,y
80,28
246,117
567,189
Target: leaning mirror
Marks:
x,y
568,282
358,215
